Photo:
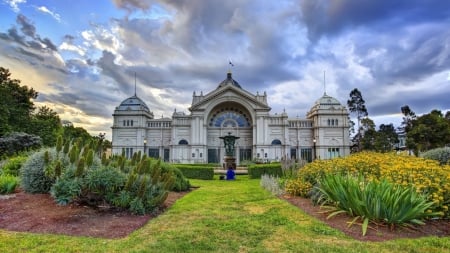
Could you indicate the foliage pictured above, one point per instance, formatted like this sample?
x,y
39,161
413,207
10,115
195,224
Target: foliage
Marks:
x,y
46,124
426,176
272,184
382,140
34,178
181,182
356,105
374,201
16,104
255,171
66,188
15,142
8,183
439,154
428,131
81,176
196,171
408,117
225,217
13,165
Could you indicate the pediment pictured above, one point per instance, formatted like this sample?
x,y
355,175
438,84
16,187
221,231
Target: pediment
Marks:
x,y
231,93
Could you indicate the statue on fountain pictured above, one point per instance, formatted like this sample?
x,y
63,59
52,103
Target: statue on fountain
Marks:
x,y
229,159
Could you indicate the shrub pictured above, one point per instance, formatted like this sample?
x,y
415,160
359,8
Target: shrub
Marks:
x,y
181,182
255,171
16,142
8,184
13,165
196,171
426,176
34,178
439,154
378,201
66,188
271,183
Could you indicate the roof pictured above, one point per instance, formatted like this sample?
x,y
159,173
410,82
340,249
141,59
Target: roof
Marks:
x,y
133,103
229,80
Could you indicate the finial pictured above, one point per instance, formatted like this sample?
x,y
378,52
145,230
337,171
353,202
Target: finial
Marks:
x,y
324,84
135,84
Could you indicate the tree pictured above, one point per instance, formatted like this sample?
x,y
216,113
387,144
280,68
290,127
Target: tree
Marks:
x,y
409,116
428,131
46,124
16,105
386,138
356,105
369,134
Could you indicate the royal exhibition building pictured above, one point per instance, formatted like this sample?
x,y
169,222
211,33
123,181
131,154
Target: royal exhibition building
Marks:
x,y
230,110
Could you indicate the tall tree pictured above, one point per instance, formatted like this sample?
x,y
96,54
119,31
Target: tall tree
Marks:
x,y
356,105
408,117
369,134
16,105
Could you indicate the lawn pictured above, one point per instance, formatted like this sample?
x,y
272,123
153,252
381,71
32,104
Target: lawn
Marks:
x,y
223,216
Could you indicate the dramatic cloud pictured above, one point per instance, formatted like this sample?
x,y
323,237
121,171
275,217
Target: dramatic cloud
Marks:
x,y
394,52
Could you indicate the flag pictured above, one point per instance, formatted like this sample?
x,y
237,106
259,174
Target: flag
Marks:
x,y
231,64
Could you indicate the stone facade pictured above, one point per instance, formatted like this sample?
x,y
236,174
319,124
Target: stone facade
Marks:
x,y
229,109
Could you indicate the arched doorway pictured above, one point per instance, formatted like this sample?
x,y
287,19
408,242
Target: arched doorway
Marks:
x,y
233,118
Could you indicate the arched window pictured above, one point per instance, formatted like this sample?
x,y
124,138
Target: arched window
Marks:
x,y
229,117
183,142
276,142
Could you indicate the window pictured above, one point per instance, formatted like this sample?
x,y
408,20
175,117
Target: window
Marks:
x,y
229,117
306,154
128,152
131,123
333,152
124,123
276,142
293,153
332,122
183,142
153,152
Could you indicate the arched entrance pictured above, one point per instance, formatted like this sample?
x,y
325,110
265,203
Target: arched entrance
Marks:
x,y
229,118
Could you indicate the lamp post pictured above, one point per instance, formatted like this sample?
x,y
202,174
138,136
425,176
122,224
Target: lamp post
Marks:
x,y
145,145
314,149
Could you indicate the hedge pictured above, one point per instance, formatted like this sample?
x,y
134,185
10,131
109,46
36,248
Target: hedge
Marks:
x,y
196,172
255,171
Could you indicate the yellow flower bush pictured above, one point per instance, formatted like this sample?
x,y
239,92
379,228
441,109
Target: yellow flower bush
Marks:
x,y
426,176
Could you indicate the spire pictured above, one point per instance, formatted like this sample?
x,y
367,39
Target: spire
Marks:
x,y
324,84
135,84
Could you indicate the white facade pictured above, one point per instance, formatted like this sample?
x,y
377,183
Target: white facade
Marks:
x,y
194,137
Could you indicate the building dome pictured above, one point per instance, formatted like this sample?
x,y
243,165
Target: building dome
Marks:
x,y
229,80
133,104
327,102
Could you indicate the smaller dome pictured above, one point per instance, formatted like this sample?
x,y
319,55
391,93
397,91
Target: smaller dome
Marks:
x,y
133,104
229,80
327,102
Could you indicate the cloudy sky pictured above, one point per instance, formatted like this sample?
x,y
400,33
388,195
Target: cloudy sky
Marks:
x,y
81,56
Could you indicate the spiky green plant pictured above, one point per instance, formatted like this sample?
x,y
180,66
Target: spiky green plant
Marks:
x,y
374,201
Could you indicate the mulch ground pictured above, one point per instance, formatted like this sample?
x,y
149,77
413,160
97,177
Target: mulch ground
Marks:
x,y
375,232
38,213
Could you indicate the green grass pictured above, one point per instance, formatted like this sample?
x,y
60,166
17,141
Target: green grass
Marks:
x,y
223,216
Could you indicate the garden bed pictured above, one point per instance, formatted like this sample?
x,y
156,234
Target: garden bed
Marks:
x,y
377,233
38,213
